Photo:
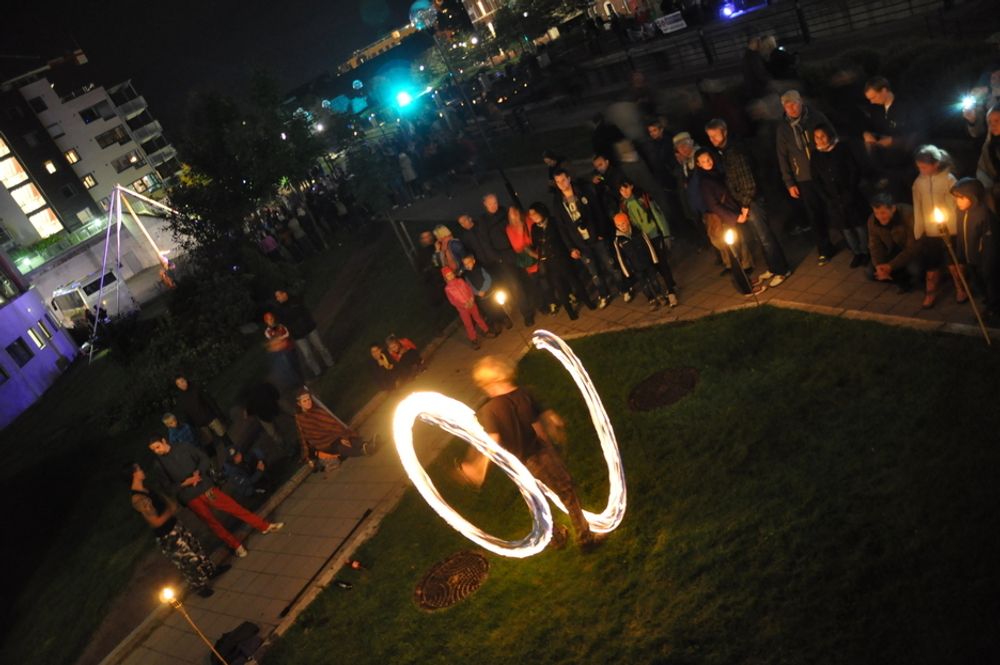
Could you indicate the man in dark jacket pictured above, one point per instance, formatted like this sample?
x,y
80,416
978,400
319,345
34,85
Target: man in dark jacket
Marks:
x,y
893,132
205,417
795,145
186,468
577,214
741,183
474,238
897,254
302,327
505,270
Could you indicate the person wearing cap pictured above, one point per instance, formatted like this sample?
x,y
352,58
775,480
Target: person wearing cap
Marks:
x,y
448,250
324,439
686,175
186,469
796,145
245,472
977,243
514,420
460,295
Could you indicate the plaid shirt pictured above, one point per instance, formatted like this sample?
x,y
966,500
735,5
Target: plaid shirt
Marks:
x,y
738,166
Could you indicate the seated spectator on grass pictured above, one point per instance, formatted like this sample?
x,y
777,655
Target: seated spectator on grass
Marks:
x,y
636,259
897,255
485,289
404,355
383,370
324,439
461,297
977,244
178,433
245,473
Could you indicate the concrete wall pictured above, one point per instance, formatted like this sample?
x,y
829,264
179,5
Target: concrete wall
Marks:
x,y
24,385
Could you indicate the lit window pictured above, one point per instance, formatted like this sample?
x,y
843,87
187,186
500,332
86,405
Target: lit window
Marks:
x,y
72,156
4,150
36,338
28,197
46,223
50,166
85,215
12,173
106,203
88,181
140,185
44,329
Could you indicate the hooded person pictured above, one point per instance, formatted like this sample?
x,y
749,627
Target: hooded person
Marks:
x,y
978,233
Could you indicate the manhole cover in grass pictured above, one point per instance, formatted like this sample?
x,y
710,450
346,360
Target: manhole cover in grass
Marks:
x,y
452,580
663,388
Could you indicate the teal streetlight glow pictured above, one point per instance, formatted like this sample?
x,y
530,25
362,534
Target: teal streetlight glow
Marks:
x,y
403,98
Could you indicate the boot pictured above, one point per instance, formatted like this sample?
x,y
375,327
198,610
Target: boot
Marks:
x,y
957,272
932,284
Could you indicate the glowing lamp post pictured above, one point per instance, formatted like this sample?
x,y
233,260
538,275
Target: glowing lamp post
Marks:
x,y
168,596
743,281
942,221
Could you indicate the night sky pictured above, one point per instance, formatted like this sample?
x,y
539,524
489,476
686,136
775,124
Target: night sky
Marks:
x,y
171,47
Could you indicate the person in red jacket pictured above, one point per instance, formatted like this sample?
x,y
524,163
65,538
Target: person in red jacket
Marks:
x,y
460,295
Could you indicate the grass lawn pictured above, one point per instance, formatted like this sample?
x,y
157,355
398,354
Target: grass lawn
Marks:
x,y
72,538
825,495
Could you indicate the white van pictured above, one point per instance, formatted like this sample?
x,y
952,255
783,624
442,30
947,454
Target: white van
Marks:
x,y
71,302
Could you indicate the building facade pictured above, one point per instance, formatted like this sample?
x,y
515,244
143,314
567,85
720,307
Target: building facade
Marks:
x,y
34,349
66,143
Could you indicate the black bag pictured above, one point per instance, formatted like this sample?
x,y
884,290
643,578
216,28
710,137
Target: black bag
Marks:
x,y
238,645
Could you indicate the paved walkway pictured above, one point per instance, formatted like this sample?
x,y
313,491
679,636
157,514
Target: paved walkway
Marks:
x,y
321,510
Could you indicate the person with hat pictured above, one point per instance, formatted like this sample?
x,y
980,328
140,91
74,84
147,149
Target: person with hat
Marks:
x,y
245,472
460,295
448,250
796,145
324,439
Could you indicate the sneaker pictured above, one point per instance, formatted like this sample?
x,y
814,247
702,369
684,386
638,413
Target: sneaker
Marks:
x,y
602,302
553,309
766,275
627,296
489,334
777,280
240,552
661,299
274,526
822,260
475,344
672,299
654,305
859,260
219,570
205,592
757,290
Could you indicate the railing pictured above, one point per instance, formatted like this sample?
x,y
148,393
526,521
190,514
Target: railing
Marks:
x,y
27,259
147,131
133,107
161,155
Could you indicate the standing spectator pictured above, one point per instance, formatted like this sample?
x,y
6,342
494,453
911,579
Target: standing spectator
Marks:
x,y
977,243
892,133
605,136
506,270
263,402
205,416
409,177
302,327
553,161
984,97
659,153
559,280
481,283
175,541
988,167
474,238
577,214
448,249
742,187
186,469
430,274
756,78
636,258
605,180
932,204
323,437
300,237
685,173
460,295
519,235
722,214
794,139
838,175
269,246
281,350
646,216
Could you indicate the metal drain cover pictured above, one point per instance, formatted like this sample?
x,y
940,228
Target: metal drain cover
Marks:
x,y
663,388
452,580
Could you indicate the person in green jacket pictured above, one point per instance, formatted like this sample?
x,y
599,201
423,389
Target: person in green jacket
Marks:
x,y
645,214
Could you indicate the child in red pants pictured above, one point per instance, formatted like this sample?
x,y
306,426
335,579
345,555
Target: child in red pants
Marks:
x,y
462,298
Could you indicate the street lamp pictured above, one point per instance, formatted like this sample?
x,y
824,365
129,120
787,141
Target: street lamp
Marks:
x,y
942,221
167,595
423,16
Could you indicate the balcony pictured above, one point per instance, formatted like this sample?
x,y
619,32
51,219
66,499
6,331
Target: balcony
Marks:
x,y
146,132
133,107
164,154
